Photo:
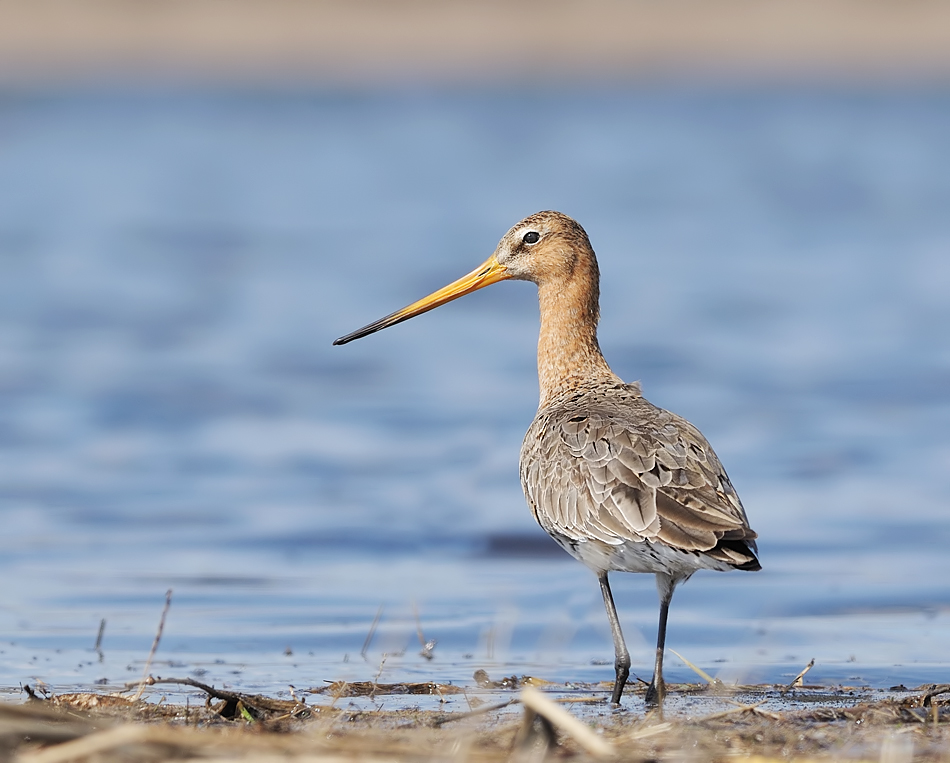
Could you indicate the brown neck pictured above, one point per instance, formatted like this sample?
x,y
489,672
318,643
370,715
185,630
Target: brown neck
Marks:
x,y
568,354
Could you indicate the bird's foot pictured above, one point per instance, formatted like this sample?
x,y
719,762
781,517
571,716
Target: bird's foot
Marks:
x,y
615,696
656,692
623,673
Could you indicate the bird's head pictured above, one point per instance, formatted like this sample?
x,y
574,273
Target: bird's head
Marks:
x,y
545,247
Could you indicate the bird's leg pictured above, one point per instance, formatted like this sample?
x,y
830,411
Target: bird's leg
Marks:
x,y
621,655
656,691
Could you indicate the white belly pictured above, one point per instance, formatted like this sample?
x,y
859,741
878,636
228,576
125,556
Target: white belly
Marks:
x,y
642,556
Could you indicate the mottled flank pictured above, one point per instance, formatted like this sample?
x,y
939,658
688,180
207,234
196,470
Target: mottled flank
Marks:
x,y
620,484
603,467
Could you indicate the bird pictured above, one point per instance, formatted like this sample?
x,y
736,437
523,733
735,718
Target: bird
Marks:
x,y
619,483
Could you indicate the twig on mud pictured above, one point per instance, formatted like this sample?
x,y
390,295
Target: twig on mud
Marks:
x,y
935,690
646,731
798,679
251,707
372,632
476,712
754,708
209,690
151,654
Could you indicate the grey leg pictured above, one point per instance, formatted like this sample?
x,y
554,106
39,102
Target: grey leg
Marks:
x,y
621,655
656,691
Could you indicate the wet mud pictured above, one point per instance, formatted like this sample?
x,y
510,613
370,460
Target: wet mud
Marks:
x,y
515,718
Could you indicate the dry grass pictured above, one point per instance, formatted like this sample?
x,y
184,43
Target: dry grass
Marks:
x,y
243,727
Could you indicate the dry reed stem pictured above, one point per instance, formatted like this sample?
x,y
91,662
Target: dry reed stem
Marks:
x,y
535,700
797,682
158,638
372,632
483,710
699,671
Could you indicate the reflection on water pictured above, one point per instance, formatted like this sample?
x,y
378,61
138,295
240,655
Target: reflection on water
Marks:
x,y
175,264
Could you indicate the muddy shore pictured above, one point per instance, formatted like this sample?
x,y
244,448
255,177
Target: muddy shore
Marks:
x,y
502,722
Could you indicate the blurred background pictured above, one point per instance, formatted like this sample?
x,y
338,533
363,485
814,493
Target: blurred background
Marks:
x,y
198,197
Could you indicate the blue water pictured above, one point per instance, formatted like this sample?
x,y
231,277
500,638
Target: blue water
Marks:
x,y
175,263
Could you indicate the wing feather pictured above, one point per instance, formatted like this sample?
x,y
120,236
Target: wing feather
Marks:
x,y
621,469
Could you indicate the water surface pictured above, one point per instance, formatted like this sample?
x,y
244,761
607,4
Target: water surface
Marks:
x,y
176,263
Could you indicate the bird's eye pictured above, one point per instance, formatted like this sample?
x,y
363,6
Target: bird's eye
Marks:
x,y
531,237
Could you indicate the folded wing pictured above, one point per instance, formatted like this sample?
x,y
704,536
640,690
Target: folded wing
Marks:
x,y
633,472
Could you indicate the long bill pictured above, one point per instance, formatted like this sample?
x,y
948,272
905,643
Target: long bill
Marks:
x,y
491,271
